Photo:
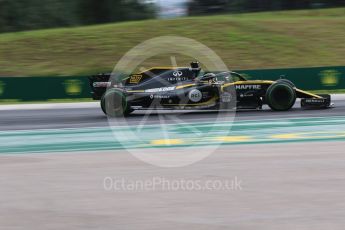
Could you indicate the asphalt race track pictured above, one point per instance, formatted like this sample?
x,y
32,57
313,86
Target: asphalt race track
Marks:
x,y
61,169
94,117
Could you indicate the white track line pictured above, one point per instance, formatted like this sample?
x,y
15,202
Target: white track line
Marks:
x,y
44,106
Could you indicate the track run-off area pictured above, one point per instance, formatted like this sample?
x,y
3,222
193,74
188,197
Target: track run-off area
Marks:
x,y
54,160
63,134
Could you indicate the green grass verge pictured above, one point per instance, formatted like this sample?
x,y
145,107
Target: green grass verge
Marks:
x,y
302,38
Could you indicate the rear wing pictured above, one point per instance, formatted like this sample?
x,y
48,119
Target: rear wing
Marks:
x,y
99,84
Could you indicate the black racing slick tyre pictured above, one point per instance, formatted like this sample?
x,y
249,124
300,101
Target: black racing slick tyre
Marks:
x,y
287,82
114,104
281,96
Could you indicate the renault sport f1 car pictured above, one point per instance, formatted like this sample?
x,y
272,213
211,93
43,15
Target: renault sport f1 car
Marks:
x,y
189,88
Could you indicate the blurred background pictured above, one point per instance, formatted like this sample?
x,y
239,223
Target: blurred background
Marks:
x,y
103,30
82,37
22,15
79,38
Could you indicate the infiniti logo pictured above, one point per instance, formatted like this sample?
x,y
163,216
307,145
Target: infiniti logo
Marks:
x,y
177,74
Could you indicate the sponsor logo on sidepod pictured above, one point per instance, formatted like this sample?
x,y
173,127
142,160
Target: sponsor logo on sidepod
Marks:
x,y
195,95
248,87
159,96
160,89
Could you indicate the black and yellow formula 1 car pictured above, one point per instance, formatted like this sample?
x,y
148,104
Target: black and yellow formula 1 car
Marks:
x,y
189,88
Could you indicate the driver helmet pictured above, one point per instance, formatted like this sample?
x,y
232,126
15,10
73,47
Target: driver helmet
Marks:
x,y
209,75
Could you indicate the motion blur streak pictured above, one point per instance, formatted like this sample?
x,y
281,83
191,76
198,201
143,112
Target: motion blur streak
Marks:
x,y
68,130
245,132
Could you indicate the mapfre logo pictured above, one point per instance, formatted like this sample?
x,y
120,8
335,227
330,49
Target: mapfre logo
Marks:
x,y
177,74
248,87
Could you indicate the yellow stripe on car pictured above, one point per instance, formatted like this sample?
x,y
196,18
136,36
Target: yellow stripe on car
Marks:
x,y
309,94
184,86
136,91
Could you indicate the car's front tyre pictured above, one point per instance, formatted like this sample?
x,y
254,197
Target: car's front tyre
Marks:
x,y
281,96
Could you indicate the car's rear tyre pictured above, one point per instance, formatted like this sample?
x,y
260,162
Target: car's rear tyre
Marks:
x,y
114,104
280,96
